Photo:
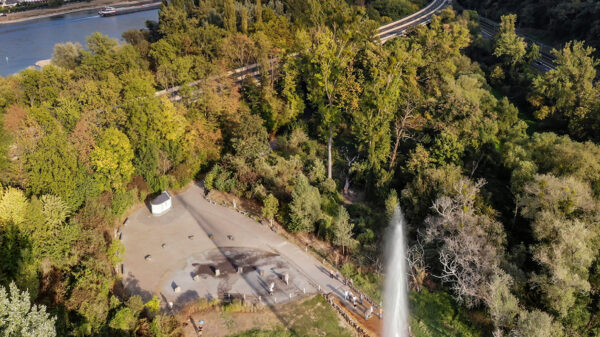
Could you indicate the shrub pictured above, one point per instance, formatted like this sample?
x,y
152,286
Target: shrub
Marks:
x,y
325,229
318,173
153,306
224,183
328,186
329,205
270,206
209,180
370,283
235,306
437,311
181,175
259,192
124,320
121,201
305,208
115,252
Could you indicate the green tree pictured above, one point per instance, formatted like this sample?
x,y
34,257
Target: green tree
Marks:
x,y
244,20
563,213
52,237
529,156
441,42
508,45
568,93
18,318
136,304
53,169
332,87
115,252
342,230
250,138
406,60
503,305
165,326
13,205
270,207
294,102
100,44
111,160
67,55
384,73
305,208
230,17
535,324
258,11
447,149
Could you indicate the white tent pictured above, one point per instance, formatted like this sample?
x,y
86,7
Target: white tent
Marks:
x,y
161,204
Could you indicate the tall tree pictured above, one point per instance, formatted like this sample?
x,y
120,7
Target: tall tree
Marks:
x,y
112,160
244,20
67,55
258,11
564,215
469,244
508,45
568,93
332,87
342,230
53,168
230,18
389,89
441,42
52,237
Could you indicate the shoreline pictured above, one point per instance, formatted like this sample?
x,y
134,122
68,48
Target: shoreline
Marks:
x,y
74,9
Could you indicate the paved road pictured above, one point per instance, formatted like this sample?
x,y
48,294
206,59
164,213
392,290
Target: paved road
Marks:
x,y
384,33
398,28
181,258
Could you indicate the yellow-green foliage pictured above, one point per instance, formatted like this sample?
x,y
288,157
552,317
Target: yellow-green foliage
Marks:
x,y
12,205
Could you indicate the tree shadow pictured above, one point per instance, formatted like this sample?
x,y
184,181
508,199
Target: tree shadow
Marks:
x,y
131,285
205,225
185,298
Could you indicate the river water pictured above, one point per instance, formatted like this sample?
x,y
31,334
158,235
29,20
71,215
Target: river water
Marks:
x,y
24,43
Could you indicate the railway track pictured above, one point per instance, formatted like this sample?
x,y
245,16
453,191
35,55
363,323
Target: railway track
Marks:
x,y
544,63
384,33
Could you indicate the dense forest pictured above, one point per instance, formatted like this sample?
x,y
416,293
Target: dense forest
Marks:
x,y
495,164
555,20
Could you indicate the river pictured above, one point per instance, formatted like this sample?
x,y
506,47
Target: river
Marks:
x,y
24,43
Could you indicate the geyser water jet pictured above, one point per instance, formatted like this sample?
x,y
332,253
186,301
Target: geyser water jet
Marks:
x,y
395,315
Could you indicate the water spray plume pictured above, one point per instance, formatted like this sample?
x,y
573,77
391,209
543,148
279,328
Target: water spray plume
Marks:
x,y
395,322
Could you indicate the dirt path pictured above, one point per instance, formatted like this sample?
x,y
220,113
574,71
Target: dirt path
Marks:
x,y
64,9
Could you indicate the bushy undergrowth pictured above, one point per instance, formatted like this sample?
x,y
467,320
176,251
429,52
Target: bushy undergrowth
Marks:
x,y
436,314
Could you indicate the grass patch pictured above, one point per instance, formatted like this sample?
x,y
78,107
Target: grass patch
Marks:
x,y
368,282
310,318
438,315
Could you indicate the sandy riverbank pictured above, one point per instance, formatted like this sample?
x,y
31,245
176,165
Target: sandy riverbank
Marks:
x,y
67,8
